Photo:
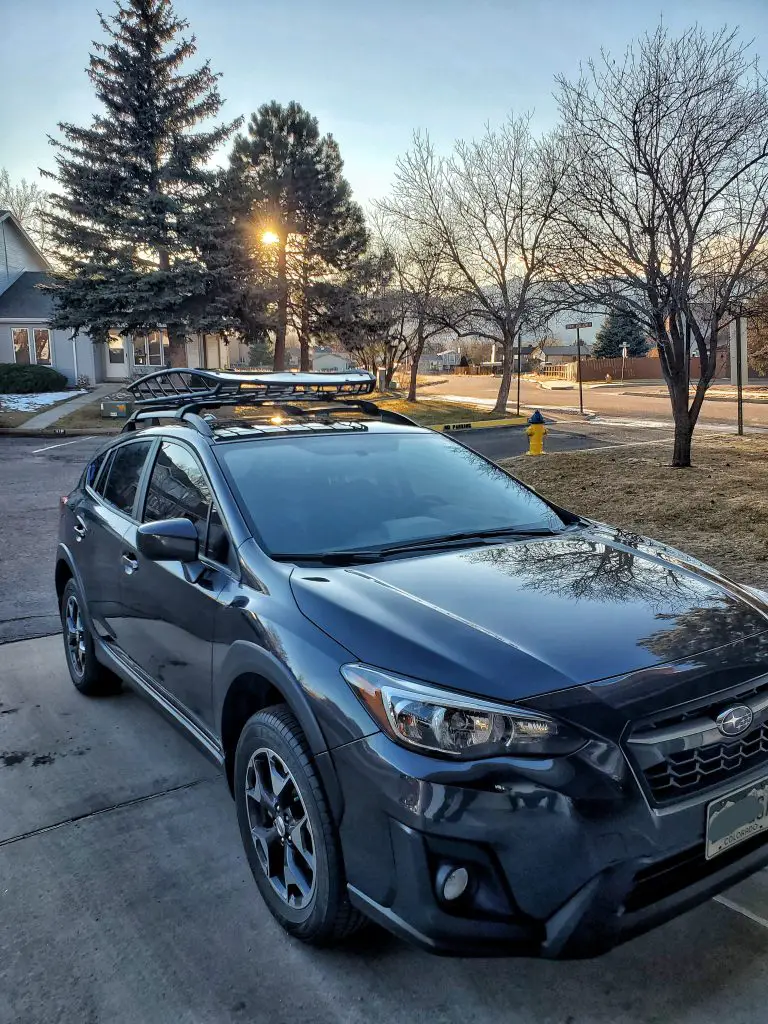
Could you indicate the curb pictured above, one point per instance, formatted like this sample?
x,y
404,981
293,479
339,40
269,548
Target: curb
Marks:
x,y
53,432
450,428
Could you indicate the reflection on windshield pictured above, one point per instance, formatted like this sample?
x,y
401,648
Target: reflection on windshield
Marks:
x,y
349,492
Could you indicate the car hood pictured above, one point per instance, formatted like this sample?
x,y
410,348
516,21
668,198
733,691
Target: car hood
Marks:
x,y
513,620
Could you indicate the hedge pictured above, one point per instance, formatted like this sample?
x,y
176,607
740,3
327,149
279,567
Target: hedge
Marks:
x,y
17,379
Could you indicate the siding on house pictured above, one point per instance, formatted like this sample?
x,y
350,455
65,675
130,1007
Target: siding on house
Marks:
x,y
62,354
16,254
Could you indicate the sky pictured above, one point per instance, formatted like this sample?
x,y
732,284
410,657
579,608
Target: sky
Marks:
x,y
371,71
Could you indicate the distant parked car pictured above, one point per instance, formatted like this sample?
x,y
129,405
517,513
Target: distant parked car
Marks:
x,y
441,701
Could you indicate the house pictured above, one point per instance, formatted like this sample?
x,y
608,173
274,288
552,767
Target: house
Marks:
x,y
27,337
557,355
332,362
25,334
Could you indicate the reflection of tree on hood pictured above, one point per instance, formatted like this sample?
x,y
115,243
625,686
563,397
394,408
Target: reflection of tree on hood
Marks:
x,y
579,569
707,628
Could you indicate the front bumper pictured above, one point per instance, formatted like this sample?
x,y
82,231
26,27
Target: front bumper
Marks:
x,y
567,858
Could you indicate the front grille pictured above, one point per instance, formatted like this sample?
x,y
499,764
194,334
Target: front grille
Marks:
x,y
688,771
681,752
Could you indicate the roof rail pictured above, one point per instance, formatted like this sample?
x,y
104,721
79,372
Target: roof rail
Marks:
x,y
184,388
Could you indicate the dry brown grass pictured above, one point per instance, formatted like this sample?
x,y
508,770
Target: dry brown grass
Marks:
x,y
717,510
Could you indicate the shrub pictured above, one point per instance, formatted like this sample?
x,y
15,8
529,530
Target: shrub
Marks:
x,y
16,379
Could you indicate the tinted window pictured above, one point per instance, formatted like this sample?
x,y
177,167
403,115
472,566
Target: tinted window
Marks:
x,y
92,469
307,495
122,478
178,490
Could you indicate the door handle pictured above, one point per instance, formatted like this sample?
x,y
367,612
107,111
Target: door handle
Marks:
x,y
130,564
80,528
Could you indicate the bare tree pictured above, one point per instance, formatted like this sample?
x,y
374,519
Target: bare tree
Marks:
x,y
490,207
28,203
665,198
422,281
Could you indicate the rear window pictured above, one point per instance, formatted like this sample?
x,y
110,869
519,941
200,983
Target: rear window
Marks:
x,y
362,490
120,482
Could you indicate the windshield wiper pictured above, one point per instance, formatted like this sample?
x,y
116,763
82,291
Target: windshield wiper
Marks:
x,y
428,544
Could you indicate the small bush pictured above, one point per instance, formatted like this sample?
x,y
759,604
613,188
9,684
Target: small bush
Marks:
x,y
16,379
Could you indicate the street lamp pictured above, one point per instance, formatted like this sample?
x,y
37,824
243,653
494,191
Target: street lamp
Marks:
x,y
270,237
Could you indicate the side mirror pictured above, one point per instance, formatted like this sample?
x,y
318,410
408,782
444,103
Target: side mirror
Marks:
x,y
168,540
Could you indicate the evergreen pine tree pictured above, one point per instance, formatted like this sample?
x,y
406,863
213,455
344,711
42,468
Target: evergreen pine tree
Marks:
x,y
134,196
619,329
306,209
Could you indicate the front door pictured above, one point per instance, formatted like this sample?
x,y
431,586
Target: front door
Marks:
x,y
102,518
170,608
117,357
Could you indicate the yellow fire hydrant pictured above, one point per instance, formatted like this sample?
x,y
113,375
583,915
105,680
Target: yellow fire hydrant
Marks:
x,y
536,432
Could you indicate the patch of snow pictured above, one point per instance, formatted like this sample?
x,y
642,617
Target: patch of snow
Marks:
x,y
29,403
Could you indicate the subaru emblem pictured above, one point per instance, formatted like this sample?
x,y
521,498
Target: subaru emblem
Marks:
x,y
735,721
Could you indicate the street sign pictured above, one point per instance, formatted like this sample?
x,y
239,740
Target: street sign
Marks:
x,y
573,327
624,351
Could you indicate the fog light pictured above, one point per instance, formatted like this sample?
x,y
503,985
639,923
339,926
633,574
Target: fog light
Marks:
x,y
453,882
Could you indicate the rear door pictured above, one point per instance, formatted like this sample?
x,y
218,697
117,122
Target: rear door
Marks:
x,y
102,517
170,607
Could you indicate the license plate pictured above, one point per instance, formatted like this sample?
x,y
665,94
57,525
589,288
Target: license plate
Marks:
x,y
736,817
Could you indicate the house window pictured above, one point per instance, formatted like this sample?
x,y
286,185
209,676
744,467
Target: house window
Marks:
x,y
150,349
42,346
21,345
31,345
116,349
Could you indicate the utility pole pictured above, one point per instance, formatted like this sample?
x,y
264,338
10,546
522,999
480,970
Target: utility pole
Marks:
x,y
739,380
577,328
519,365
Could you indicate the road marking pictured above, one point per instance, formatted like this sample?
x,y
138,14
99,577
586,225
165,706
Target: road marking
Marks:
x,y
63,444
741,910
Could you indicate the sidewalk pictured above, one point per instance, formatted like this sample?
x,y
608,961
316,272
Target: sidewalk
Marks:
x,y
50,417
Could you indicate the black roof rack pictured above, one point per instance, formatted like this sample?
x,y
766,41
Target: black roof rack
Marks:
x,y
182,394
171,389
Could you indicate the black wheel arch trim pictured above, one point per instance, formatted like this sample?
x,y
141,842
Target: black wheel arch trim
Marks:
x,y
63,554
245,658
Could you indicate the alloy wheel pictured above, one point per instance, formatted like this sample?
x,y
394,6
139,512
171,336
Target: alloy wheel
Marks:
x,y
280,828
75,633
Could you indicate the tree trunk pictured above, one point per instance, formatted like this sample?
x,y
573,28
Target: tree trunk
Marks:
x,y
681,456
500,409
416,356
677,386
177,345
304,320
282,306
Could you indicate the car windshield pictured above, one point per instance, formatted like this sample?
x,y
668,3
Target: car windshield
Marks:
x,y
366,491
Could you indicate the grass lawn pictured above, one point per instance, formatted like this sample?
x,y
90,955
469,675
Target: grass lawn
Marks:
x,y
718,510
426,411
88,417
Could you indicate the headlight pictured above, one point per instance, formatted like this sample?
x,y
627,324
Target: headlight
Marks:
x,y
442,722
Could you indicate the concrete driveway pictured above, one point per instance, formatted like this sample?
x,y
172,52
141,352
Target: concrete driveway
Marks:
x,y
125,899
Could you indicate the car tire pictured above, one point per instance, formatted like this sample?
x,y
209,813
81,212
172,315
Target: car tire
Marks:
x,y
289,836
88,675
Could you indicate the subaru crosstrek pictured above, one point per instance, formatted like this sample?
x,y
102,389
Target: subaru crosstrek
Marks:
x,y
441,701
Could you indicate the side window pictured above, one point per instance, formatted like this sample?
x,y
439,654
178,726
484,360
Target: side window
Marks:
x,y
102,479
123,474
178,490
92,469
